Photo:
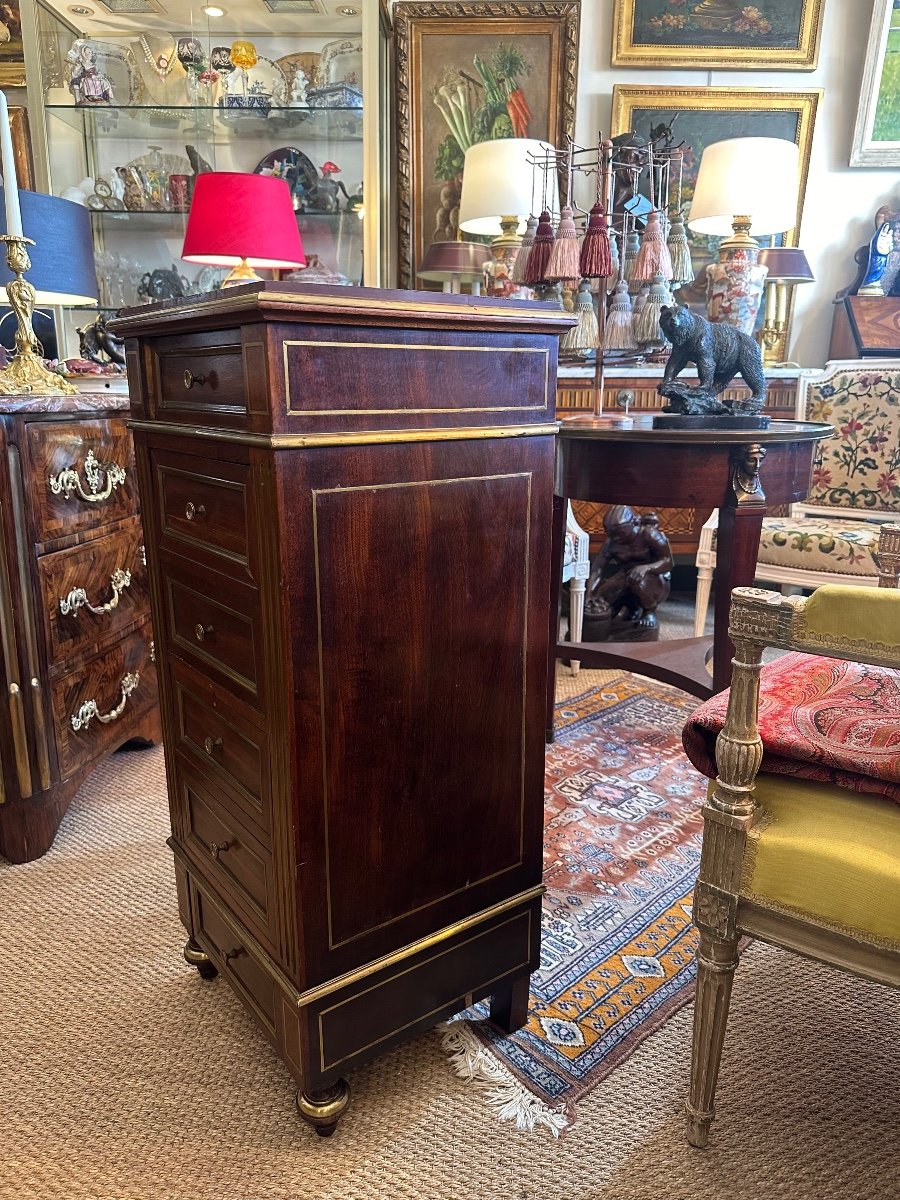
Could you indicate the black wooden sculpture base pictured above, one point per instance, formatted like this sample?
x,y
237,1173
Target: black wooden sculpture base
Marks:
x,y
707,421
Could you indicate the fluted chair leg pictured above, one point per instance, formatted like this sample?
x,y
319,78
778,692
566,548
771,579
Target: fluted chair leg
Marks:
x,y
701,605
716,963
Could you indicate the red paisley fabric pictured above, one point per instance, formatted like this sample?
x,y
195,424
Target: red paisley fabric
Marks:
x,y
819,718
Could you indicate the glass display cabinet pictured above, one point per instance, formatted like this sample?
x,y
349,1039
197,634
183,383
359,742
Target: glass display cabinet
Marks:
x,y
131,99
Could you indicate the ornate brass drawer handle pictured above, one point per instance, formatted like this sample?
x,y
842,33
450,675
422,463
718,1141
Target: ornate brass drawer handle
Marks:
x,y
202,632
193,512
211,745
217,848
190,379
68,481
89,709
77,598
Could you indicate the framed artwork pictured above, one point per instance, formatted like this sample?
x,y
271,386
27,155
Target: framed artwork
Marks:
x,y
701,116
717,34
876,137
12,52
471,72
21,140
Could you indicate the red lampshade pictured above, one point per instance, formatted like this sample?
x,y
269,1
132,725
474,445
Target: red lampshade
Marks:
x,y
235,217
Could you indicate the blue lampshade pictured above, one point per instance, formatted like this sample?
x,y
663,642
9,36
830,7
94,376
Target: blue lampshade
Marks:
x,y
62,259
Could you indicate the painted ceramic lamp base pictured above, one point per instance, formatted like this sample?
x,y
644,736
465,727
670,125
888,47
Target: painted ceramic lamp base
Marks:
x,y
734,290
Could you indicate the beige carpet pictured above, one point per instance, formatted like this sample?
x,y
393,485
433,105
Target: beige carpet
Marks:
x,y
123,1076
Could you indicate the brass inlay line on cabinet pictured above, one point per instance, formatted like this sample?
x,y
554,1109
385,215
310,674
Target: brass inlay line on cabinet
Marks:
x,y
367,437
324,345
483,986
380,487
11,658
311,995
37,698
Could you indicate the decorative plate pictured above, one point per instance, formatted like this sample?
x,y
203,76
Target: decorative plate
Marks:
x,y
306,60
293,166
118,64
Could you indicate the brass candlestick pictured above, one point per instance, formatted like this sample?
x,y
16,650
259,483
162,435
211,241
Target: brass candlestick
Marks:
x,y
26,372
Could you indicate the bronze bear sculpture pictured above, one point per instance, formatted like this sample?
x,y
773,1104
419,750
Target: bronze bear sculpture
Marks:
x,y
720,352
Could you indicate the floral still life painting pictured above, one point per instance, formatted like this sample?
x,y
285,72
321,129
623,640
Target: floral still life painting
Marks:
x,y
723,33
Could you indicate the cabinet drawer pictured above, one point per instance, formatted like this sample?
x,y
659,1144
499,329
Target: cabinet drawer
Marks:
x,y
93,704
225,852
217,733
252,982
202,505
218,633
78,476
92,591
189,377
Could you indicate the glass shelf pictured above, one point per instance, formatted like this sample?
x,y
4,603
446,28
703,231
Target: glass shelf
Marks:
x,y
157,220
215,125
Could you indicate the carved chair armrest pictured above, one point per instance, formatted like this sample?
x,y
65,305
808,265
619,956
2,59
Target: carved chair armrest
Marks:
x,y
858,623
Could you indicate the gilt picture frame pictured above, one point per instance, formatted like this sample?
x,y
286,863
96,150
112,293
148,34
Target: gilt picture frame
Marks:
x,y
22,152
876,135
700,116
12,51
459,49
717,35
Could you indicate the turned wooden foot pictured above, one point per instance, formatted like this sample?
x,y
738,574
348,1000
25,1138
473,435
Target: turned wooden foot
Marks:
x,y
716,962
324,1109
195,957
509,1004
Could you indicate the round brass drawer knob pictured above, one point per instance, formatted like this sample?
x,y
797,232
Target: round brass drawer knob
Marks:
x,y
202,632
190,379
211,745
193,512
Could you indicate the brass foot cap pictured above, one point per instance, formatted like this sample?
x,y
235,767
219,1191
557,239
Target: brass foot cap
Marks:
x,y
324,1109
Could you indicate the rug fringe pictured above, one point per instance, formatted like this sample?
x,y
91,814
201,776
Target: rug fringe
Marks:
x,y
472,1061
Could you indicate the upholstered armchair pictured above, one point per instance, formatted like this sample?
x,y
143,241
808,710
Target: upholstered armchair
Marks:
x,y
801,842
830,537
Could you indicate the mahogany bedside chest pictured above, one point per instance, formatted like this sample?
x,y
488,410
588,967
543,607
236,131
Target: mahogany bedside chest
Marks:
x,y
347,505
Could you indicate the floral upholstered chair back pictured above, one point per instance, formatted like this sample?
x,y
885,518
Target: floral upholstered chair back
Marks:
x,y
858,468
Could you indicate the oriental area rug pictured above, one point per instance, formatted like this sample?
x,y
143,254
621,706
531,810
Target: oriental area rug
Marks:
x,y
621,850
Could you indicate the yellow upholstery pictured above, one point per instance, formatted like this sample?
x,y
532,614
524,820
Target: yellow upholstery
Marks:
x,y
840,611
829,854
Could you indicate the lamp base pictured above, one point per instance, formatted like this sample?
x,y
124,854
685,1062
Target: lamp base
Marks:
x,y
27,374
734,285
242,273
499,268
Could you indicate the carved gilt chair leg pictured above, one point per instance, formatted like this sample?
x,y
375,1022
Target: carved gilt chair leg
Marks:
x,y
728,816
716,963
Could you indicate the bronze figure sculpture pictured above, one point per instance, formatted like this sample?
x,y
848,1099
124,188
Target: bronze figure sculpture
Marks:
x,y
720,352
630,578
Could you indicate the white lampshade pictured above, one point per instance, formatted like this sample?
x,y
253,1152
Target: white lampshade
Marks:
x,y
500,181
755,177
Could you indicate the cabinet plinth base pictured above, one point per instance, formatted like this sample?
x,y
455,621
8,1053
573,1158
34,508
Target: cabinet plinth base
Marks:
x,y
324,1109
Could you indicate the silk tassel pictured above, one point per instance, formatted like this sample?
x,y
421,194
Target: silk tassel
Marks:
x,y
680,251
520,266
563,263
653,257
619,332
584,337
647,330
539,254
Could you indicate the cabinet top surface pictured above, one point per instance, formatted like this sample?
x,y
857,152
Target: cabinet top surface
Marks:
x,y
84,402
778,431
319,303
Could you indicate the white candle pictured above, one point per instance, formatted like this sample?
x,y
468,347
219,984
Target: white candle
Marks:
x,y
8,165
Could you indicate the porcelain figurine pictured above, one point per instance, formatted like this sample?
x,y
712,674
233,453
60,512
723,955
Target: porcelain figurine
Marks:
x,y
86,83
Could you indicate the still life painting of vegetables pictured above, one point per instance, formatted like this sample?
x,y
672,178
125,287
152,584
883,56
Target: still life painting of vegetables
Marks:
x,y
479,102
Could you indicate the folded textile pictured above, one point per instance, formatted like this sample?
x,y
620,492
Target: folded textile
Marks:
x,y
819,718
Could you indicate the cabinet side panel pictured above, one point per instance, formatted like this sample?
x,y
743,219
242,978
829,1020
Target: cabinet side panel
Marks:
x,y
423,638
